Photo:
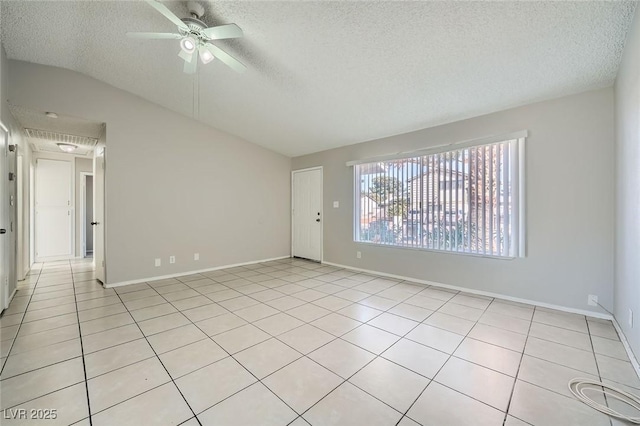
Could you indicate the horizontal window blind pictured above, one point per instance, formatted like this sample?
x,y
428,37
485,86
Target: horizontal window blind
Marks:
x,y
465,200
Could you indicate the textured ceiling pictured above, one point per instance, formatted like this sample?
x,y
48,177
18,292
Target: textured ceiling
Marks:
x,y
63,124
328,74
56,127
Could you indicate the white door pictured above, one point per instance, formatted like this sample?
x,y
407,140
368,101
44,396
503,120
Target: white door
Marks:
x,y
53,210
98,214
307,219
4,220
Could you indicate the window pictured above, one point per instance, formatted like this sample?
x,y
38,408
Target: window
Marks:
x,y
464,200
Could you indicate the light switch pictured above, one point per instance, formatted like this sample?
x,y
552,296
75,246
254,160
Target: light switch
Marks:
x,y
336,204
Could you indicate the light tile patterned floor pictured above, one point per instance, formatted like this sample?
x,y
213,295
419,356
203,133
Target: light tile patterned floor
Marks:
x,y
294,342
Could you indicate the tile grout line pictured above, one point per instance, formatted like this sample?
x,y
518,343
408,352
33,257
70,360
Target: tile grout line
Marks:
x,y
367,322
206,295
515,381
24,314
161,363
275,337
39,368
441,367
326,294
84,365
595,360
231,356
306,302
339,337
375,355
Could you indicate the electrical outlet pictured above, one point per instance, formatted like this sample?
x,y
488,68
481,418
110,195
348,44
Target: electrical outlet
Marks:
x,y
630,318
172,259
336,204
592,300
196,256
158,262
358,255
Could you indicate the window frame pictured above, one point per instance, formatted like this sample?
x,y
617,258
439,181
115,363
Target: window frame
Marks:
x,y
517,164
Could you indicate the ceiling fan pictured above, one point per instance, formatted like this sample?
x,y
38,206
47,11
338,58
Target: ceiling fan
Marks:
x,y
195,37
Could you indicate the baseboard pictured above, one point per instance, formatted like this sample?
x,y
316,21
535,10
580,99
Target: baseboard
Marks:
x,y
199,271
2,308
13,293
54,258
627,347
479,292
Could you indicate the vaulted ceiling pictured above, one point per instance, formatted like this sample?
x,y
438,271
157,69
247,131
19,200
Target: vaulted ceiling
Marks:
x,y
326,74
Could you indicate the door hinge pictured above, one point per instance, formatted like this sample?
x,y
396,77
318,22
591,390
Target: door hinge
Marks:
x,y
103,264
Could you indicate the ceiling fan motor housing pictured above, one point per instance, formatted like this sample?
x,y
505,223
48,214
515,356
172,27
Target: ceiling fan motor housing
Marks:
x,y
195,9
195,28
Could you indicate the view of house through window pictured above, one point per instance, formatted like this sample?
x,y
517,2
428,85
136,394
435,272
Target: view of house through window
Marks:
x,y
464,200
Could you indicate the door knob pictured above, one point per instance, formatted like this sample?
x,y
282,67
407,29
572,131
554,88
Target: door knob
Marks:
x,y
95,223
317,220
3,231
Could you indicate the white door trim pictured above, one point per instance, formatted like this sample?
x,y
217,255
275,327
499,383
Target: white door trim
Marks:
x,y
100,214
308,169
21,262
83,213
5,245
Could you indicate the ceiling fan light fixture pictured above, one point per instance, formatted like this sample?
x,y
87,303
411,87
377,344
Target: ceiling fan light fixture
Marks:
x,y
188,44
205,55
194,35
67,147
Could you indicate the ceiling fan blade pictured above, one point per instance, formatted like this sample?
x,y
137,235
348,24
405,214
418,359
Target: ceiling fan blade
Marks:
x,y
168,14
223,31
191,64
153,36
226,58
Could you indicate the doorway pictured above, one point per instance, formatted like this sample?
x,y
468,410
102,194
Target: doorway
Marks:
x,y
86,206
306,214
59,186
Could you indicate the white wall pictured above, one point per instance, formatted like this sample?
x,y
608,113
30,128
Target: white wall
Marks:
x,y
627,248
15,138
173,186
570,182
24,236
4,75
